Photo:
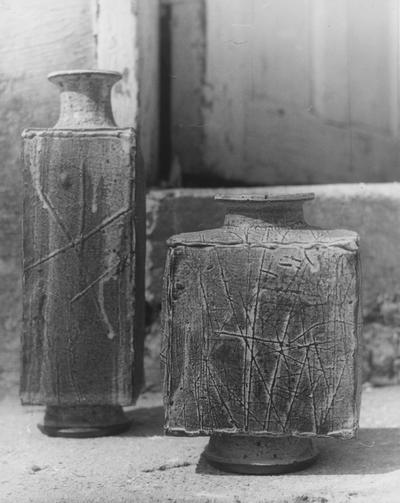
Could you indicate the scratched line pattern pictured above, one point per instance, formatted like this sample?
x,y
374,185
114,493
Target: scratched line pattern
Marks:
x,y
79,269
261,340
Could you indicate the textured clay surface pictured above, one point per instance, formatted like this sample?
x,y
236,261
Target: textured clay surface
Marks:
x,y
261,330
80,215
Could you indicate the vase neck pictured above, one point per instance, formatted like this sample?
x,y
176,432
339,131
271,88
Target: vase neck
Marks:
x,y
85,98
276,211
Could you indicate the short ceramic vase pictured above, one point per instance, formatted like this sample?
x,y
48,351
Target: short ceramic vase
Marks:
x,y
84,238
261,329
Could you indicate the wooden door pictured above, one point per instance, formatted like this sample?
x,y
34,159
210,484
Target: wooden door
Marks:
x,y
284,91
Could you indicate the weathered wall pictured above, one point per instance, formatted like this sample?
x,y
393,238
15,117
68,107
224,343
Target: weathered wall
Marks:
x,y
284,92
36,37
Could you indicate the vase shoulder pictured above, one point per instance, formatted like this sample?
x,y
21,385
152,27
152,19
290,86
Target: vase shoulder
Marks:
x,y
267,236
128,132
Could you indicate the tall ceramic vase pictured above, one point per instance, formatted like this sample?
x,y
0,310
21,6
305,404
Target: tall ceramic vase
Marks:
x,y
261,324
83,263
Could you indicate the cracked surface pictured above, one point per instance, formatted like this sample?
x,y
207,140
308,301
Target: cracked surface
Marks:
x,y
261,332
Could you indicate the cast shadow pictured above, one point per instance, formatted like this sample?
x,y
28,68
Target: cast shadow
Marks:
x,y
146,422
375,451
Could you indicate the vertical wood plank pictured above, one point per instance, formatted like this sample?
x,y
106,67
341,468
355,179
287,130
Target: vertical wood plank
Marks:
x,y
130,46
149,84
303,92
188,87
373,64
329,60
257,52
115,28
228,57
280,52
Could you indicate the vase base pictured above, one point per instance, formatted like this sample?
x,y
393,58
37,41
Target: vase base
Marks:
x,y
260,455
84,421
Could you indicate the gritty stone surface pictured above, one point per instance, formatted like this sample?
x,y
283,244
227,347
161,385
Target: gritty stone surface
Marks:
x,y
144,466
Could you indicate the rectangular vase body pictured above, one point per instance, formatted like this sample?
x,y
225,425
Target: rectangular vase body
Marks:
x,y
83,291
262,339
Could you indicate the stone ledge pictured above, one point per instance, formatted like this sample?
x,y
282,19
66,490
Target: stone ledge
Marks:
x,y
142,466
372,210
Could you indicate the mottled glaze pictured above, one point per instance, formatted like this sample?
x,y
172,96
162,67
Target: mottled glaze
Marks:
x,y
83,259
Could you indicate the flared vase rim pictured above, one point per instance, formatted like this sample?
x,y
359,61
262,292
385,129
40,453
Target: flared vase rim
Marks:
x,y
265,198
84,72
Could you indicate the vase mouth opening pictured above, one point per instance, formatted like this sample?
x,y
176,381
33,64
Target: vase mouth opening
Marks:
x,y
264,198
59,77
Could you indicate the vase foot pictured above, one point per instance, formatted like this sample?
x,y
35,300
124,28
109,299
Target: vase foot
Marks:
x,y
260,455
84,421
